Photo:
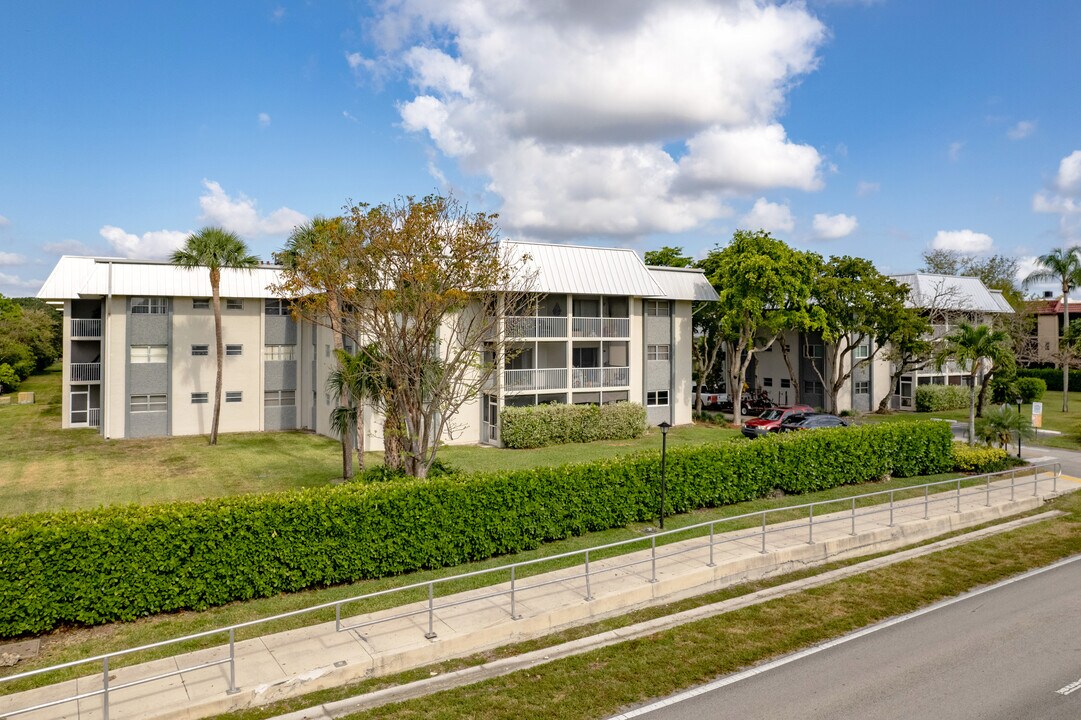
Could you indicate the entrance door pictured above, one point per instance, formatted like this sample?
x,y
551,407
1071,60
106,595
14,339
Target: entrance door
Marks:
x,y
80,405
489,428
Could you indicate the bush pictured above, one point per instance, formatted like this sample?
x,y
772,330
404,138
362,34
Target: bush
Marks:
x,y
542,425
9,379
121,563
980,458
1052,377
1031,389
935,398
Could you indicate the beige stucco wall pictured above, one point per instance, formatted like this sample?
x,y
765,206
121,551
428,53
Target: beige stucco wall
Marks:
x,y
683,332
65,382
114,362
1046,337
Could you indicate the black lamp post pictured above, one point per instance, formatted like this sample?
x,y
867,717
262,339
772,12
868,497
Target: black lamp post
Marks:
x,y
1019,428
664,454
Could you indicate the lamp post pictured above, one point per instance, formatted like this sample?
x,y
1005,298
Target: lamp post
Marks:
x,y
664,454
1019,428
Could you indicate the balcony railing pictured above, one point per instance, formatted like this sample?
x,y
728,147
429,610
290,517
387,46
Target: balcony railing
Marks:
x,y
600,327
95,417
538,379
85,372
85,327
600,377
536,327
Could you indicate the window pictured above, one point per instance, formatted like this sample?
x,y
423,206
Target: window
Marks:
x,y
200,398
234,350
234,396
767,382
277,307
279,352
658,352
786,382
657,308
813,387
148,306
200,349
863,387
812,351
657,397
200,303
279,398
862,352
234,304
149,403
142,354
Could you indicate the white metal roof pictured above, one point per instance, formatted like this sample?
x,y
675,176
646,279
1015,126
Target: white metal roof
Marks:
x,y
75,277
999,298
683,283
952,292
587,270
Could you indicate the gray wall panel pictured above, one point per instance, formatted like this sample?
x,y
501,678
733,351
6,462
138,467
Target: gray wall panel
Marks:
x,y
280,418
148,424
655,415
280,375
280,330
658,374
148,379
148,329
658,330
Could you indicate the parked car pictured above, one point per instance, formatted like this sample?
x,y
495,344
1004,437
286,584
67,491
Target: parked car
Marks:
x,y
712,399
771,419
810,421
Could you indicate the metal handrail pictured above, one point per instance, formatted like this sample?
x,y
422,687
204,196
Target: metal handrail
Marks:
x,y
762,531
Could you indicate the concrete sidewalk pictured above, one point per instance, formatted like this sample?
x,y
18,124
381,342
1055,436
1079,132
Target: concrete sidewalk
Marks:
x,y
300,661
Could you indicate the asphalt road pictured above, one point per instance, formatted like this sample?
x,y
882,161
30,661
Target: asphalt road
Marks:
x,y
1010,652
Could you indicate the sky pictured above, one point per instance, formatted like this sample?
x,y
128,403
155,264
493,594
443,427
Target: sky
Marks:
x,y
878,128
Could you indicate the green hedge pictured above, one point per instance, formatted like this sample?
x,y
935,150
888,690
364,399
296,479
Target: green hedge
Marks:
x,y
557,424
1031,389
1051,376
121,563
980,458
935,398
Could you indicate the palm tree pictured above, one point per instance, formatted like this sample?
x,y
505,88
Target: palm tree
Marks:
x,y
1061,265
1003,424
353,380
215,248
971,345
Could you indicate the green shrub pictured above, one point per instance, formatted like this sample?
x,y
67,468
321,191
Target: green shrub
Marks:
x,y
1052,377
1031,389
935,398
121,563
980,458
9,379
556,424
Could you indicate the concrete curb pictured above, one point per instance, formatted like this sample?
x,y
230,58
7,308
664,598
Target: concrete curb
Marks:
x,y
506,666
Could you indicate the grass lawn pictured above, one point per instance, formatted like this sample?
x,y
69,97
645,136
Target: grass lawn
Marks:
x,y
45,468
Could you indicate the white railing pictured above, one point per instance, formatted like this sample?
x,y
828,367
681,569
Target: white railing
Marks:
x,y
586,327
85,327
595,327
539,379
617,377
617,327
601,377
95,417
85,372
536,327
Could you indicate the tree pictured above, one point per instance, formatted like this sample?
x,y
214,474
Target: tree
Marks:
x,y
971,345
910,349
668,256
429,283
214,249
28,338
1003,424
315,266
353,379
764,286
1063,266
860,305
998,272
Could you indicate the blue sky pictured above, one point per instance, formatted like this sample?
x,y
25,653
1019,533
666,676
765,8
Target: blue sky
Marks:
x,y
869,128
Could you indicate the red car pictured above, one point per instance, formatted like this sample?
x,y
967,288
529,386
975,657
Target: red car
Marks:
x,y
771,419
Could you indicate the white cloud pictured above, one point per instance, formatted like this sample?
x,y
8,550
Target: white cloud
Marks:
x,y
67,247
1068,180
14,282
954,151
4,222
566,107
154,245
1021,130
834,227
965,241
1026,265
7,258
1064,198
774,217
264,119
865,188
241,216
277,14
349,116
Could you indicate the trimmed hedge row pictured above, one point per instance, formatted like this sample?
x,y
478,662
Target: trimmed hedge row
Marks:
x,y
980,458
935,398
557,424
1051,376
121,563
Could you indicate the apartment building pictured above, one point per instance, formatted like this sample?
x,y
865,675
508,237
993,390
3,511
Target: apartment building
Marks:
x,y
139,352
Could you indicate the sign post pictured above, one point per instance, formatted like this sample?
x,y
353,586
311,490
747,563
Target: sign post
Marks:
x,y
1037,415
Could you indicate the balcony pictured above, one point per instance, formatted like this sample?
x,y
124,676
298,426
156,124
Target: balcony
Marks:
x,y
600,377
85,372
535,379
536,327
95,417
85,328
595,327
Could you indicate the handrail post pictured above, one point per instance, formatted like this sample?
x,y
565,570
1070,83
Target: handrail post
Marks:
x,y
1013,478
431,612
988,491
232,663
891,508
589,592
958,494
1035,481
653,558
338,617
853,517
711,563
513,607
763,532
811,525
105,687
926,502
1054,483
